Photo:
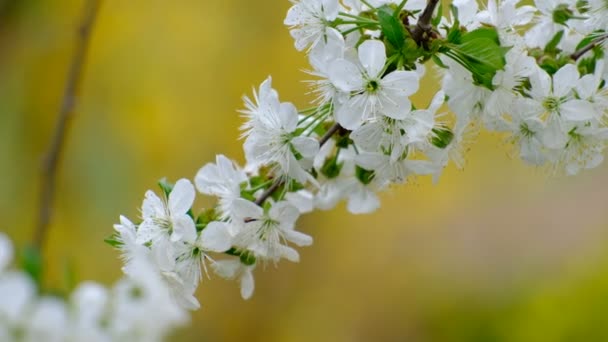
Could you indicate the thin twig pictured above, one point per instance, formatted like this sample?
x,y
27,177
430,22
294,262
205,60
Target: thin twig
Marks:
x,y
66,112
277,184
579,53
423,28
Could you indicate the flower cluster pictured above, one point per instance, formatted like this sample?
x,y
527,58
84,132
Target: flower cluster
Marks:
x,y
138,308
544,87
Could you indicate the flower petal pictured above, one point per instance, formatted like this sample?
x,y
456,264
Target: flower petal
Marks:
x,y
372,55
181,197
216,237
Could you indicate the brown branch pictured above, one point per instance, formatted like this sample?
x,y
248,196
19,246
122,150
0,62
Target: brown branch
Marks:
x,y
579,53
66,112
277,184
423,29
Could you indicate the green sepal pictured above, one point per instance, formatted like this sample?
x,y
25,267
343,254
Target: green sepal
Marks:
x,y
114,240
442,137
363,175
206,217
331,168
166,186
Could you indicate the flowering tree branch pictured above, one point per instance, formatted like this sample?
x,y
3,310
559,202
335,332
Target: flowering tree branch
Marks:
x,y
423,28
66,113
277,184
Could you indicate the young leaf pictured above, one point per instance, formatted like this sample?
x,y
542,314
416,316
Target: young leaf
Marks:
x,y
391,27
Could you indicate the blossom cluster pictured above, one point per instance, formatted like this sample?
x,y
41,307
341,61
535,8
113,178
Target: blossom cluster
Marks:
x,y
138,308
535,73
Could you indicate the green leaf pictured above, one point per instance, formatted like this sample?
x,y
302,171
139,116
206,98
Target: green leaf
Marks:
x,y
31,261
391,27
479,52
438,61
552,45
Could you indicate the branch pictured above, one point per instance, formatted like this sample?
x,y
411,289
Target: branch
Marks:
x,y
66,112
423,28
579,53
277,184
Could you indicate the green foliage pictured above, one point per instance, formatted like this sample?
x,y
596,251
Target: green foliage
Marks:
x,y
479,51
31,262
391,27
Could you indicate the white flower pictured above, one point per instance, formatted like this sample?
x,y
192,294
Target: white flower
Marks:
x,y
309,20
192,257
6,252
232,269
554,97
546,25
270,138
222,179
584,149
388,171
89,303
505,15
265,233
169,219
142,307
17,293
48,321
331,48
372,93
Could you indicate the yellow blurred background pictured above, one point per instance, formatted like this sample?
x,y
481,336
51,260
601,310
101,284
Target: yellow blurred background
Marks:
x,y
497,252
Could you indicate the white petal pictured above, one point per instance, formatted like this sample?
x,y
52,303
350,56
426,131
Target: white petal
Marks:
x,y
6,252
227,268
147,231
403,82
396,106
285,213
289,253
564,80
363,201
247,284
298,238
153,206
372,55
181,197
308,147
289,116
216,237
244,209
577,110
345,75
350,114
371,161
184,229
206,178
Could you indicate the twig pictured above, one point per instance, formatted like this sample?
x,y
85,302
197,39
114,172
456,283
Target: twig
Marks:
x,y
423,28
277,184
579,53
66,112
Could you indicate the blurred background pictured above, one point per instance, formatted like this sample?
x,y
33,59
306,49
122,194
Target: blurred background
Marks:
x,y
497,252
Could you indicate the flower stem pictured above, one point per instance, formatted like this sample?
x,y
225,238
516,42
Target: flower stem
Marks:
x,y
579,53
66,113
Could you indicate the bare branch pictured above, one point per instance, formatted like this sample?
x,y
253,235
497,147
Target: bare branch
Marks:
x,y
66,112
